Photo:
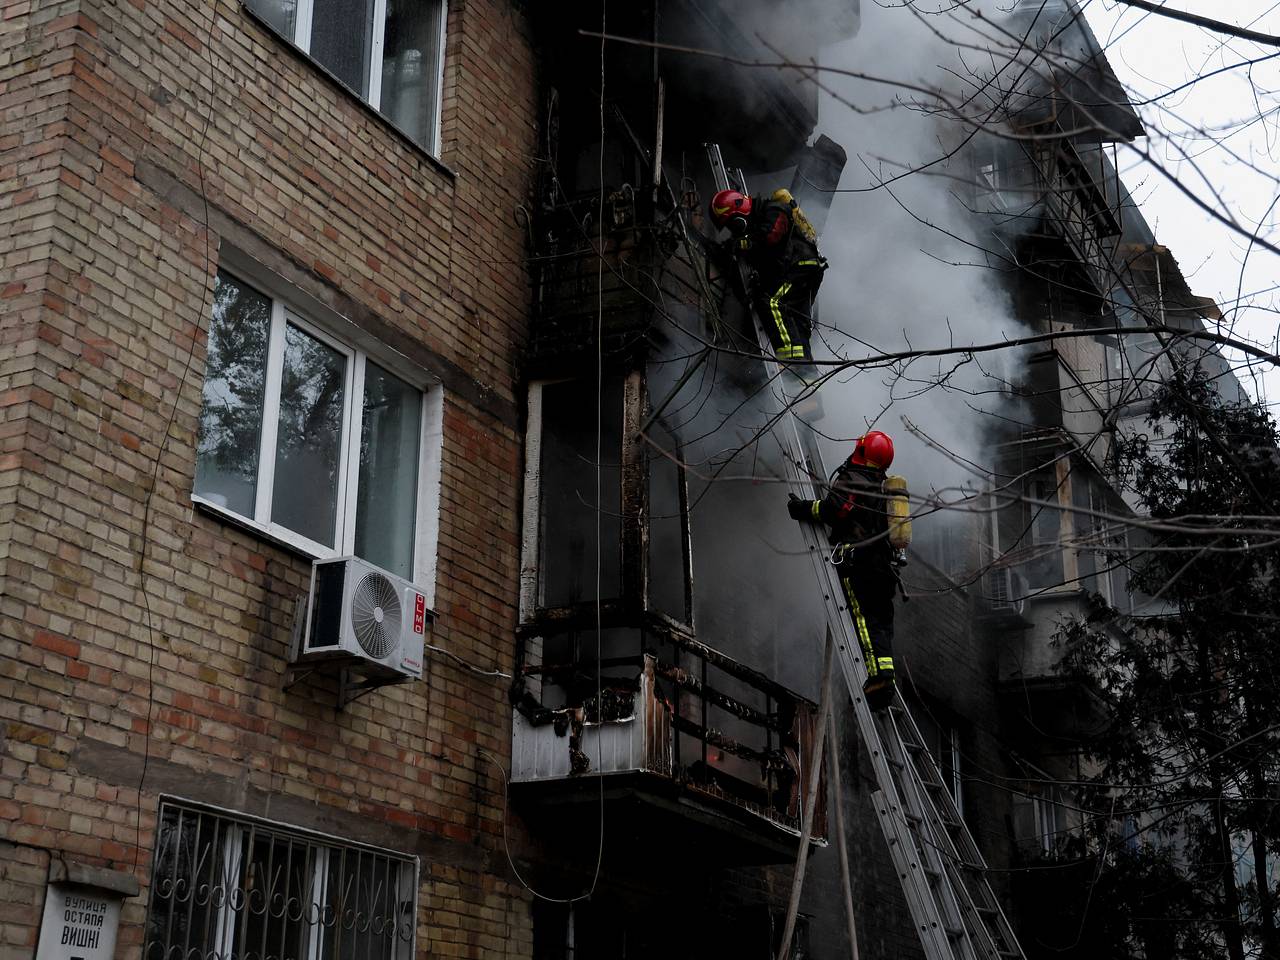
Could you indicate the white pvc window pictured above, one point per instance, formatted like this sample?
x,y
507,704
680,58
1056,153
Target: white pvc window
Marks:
x,y
311,440
390,53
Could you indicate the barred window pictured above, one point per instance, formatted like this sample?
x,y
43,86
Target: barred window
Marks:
x,y
231,887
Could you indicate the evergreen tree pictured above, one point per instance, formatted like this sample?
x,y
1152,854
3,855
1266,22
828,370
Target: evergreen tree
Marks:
x,y
1184,786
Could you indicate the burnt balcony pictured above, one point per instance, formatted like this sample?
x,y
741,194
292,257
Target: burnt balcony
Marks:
x,y
696,745
1074,187
616,692
607,270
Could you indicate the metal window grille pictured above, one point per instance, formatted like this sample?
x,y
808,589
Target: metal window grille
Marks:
x,y
231,887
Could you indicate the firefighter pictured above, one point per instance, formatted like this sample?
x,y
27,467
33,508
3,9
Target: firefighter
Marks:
x,y
772,236
858,512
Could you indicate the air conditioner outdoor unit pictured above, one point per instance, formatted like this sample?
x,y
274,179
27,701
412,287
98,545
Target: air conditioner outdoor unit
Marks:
x,y
360,613
1006,590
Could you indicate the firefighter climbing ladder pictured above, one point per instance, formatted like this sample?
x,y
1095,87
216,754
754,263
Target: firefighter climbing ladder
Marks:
x,y
943,875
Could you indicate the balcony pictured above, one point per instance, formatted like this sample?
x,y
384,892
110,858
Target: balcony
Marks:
x,y
693,744
1076,204
1031,684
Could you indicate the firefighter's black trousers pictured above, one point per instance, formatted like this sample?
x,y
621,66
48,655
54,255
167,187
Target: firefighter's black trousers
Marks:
x,y
871,609
785,307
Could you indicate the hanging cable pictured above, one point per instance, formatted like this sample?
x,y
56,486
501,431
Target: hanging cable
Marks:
x,y
145,536
599,584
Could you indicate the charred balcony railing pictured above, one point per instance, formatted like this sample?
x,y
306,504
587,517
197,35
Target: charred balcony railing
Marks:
x,y
1077,206
614,255
676,714
616,272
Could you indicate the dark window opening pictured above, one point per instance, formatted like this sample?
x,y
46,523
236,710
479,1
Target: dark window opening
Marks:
x,y
580,520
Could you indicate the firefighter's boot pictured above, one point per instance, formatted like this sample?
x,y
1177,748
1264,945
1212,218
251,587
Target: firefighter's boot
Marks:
x,y
879,690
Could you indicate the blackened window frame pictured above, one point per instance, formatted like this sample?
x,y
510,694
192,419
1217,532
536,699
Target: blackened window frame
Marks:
x,y
633,595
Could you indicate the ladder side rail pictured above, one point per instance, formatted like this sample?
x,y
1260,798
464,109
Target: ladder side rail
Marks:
x,y
960,847
915,883
902,794
956,899
801,461
935,847
799,467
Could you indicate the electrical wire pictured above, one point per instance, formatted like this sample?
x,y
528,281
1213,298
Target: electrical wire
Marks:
x,y
599,574
466,664
145,536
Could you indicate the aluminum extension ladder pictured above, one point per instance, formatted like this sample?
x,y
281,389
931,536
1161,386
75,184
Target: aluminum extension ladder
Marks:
x,y
943,875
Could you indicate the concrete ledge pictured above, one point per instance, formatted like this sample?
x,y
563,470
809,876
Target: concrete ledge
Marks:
x,y
100,878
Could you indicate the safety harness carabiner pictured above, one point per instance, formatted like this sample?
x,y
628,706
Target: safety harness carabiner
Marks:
x,y
839,553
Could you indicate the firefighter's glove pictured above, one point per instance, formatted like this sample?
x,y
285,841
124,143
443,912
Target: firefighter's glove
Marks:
x,y
799,509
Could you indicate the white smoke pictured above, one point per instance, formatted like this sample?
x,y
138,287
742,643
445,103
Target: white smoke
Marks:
x,y
908,266
907,272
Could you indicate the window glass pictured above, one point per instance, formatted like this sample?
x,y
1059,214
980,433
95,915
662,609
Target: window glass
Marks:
x,y
388,483
368,885
309,438
1086,527
235,380
341,466
281,14
1044,568
570,512
341,37
410,67
277,871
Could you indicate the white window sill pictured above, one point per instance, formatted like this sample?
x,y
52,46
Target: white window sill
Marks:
x,y
302,547
299,546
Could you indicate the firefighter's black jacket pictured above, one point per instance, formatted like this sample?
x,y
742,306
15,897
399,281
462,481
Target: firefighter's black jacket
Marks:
x,y
773,245
855,508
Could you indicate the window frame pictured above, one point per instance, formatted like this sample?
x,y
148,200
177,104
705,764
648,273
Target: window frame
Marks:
x,y
301,41
285,311
532,582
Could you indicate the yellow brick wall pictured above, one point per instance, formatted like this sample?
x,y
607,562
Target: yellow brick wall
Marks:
x,y
103,250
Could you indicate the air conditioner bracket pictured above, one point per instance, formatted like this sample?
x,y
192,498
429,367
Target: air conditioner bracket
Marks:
x,y
352,686
295,675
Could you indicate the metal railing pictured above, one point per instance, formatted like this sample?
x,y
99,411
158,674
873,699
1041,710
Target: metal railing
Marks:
x,y
230,887
675,708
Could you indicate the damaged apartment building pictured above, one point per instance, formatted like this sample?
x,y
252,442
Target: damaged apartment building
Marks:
x,y
389,565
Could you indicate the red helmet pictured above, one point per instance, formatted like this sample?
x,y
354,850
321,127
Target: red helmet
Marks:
x,y
729,206
874,449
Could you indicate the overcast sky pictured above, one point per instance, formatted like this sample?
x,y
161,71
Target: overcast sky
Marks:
x,y
1219,136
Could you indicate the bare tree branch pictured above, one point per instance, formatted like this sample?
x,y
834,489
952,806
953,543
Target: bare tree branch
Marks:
x,y
1217,26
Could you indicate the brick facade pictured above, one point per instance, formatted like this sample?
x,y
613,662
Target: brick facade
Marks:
x,y
143,640
140,143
